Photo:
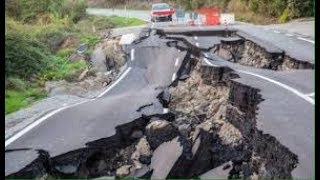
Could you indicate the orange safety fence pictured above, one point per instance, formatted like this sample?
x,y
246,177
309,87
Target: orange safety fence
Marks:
x,y
212,15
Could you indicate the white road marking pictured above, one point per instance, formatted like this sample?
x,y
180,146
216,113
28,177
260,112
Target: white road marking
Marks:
x,y
37,122
173,77
208,62
276,32
310,41
197,44
132,54
165,110
311,94
308,99
289,35
179,50
116,82
195,37
152,26
177,62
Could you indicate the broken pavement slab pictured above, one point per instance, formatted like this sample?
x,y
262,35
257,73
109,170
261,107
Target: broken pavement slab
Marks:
x,y
220,172
214,148
164,158
19,155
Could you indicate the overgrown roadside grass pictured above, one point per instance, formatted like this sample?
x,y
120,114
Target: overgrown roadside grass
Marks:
x,y
60,38
17,99
124,22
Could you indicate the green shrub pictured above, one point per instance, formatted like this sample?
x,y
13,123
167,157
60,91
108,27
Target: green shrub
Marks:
x,y
28,10
15,83
254,5
90,40
24,56
61,68
75,9
284,16
52,37
15,100
65,53
278,7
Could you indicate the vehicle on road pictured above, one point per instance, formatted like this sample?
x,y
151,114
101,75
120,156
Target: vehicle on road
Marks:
x,y
161,12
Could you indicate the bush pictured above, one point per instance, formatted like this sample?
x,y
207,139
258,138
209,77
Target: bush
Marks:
x,y
15,83
254,5
278,7
15,100
28,10
61,68
75,9
284,16
24,56
52,37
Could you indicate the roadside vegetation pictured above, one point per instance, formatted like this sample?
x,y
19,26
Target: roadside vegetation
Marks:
x,y
254,11
40,36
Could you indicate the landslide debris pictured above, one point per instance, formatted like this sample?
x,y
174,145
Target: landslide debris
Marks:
x,y
211,124
107,61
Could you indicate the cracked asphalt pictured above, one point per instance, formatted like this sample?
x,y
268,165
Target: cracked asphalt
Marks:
x,y
286,112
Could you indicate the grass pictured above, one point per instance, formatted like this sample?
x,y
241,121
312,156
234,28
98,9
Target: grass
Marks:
x,y
244,14
17,99
125,22
61,68
20,92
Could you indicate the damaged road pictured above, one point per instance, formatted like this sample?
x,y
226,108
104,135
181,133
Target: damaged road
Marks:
x,y
181,109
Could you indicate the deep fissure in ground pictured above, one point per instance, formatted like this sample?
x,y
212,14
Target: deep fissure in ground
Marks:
x,y
247,52
213,119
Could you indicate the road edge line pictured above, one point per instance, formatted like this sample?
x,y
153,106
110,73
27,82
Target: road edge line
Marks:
x,y
307,40
43,118
308,99
37,122
115,83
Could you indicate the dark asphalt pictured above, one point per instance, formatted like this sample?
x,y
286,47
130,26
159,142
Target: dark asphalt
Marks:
x,y
72,128
283,114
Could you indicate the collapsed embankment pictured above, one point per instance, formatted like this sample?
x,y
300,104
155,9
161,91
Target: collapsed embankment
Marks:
x,y
247,52
239,47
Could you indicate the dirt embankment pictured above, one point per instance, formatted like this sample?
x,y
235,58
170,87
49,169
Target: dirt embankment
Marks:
x,y
106,62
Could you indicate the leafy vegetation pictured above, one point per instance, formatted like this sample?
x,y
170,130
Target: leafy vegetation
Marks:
x,y
39,38
15,100
258,11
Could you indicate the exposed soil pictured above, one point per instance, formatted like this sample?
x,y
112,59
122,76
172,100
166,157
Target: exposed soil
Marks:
x,y
106,64
212,121
248,53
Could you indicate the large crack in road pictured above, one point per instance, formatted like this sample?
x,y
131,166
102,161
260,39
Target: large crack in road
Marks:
x,y
211,125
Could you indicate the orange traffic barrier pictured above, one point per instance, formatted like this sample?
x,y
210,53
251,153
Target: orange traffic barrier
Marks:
x,y
212,16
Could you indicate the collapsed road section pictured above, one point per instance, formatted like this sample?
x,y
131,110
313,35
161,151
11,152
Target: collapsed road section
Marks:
x,y
211,125
239,47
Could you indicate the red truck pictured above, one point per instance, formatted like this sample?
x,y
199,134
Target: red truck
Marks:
x,y
161,12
